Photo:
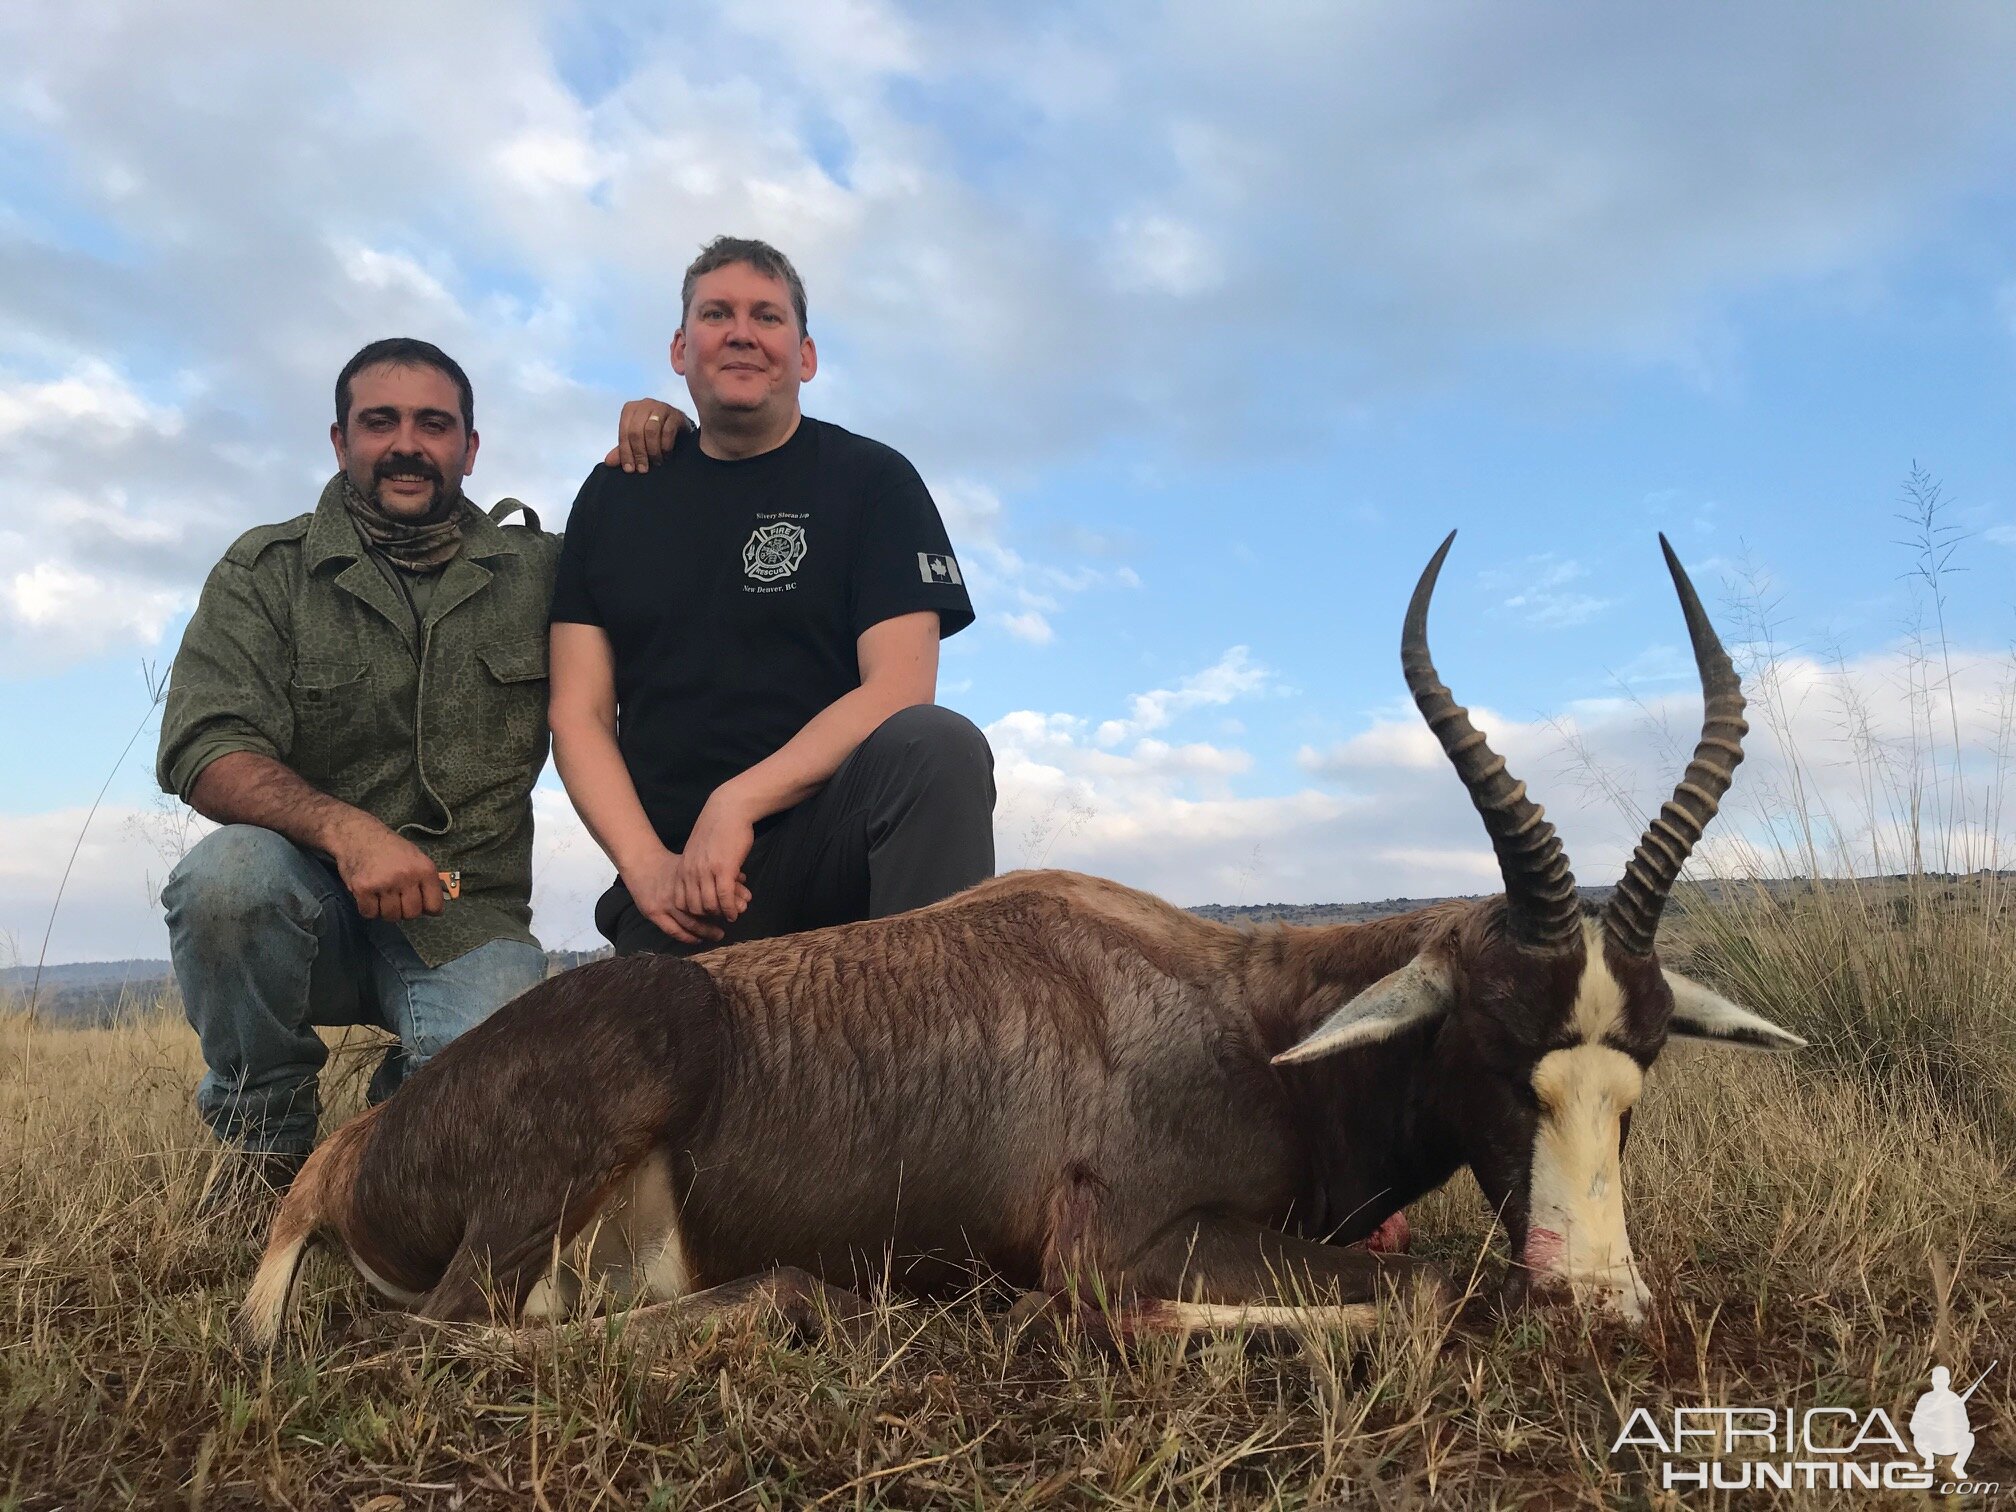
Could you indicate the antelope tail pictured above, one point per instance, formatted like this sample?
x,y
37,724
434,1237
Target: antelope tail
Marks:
x,y
303,1212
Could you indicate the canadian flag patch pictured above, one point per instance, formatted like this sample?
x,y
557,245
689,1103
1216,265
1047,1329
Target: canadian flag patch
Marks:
x,y
938,567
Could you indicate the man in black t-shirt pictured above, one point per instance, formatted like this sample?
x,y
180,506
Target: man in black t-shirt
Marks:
x,y
745,653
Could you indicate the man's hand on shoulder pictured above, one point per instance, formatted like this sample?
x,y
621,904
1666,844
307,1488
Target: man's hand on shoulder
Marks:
x,y
645,432
390,877
710,879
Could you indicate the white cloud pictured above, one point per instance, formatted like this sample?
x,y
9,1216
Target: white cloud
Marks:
x,y
1657,664
91,393
1106,795
1542,595
1158,815
1557,611
1234,675
83,613
1867,731
382,273
109,909
1164,255
971,511
556,162
998,576
1388,817
99,554
856,39
1333,183
569,872
1029,626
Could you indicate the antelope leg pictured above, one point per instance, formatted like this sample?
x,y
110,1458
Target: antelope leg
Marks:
x,y
812,1308
1211,1270
807,1303
1217,1258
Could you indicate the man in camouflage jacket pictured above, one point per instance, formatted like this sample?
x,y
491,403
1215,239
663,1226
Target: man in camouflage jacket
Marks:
x,y
360,702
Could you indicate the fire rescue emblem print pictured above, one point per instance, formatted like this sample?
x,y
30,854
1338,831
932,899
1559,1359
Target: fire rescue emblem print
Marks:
x,y
774,551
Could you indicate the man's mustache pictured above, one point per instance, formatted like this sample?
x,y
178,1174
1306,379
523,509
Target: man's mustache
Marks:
x,y
409,467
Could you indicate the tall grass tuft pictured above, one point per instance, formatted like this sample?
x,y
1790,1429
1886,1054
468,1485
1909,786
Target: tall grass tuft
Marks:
x,y
1855,891
1907,984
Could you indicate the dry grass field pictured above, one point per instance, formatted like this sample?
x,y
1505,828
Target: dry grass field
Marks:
x,y
1818,1230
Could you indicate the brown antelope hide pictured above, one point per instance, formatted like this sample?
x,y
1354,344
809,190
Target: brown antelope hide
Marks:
x,y
1057,1079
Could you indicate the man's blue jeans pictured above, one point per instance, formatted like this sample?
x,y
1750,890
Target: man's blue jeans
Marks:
x,y
268,943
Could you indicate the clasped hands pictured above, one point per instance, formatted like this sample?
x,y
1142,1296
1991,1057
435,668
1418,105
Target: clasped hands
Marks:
x,y
694,894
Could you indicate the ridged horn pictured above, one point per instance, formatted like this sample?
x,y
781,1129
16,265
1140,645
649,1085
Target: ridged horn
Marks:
x,y
1538,885
1632,917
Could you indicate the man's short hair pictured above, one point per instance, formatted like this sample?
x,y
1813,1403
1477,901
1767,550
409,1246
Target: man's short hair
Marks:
x,y
760,255
404,351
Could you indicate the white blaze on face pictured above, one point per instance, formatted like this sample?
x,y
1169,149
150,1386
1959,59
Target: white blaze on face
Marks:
x,y
1575,1223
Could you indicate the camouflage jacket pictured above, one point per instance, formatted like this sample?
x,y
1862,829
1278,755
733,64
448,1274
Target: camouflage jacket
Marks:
x,y
300,649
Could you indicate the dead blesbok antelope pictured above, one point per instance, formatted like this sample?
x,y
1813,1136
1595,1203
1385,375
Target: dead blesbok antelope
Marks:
x,y
1065,1081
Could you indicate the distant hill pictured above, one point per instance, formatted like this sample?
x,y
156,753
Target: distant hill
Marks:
x,y
1250,915
86,974
1247,915
93,994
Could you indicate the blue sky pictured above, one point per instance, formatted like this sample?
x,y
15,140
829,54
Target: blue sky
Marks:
x,y
1202,335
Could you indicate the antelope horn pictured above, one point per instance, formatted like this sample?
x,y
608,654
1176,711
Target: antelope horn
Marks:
x,y
1538,885
1632,917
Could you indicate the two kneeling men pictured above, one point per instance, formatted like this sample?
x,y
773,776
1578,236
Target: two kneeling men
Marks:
x,y
361,702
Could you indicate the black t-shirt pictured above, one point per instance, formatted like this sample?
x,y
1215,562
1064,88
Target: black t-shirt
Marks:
x,y
733,593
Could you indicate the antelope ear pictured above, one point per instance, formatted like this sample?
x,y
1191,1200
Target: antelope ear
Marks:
x,y
1418,991
1701,1014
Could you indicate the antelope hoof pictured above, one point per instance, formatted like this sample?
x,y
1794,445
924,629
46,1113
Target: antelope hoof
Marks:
x,y
817,1311
1621,1301
1033,1317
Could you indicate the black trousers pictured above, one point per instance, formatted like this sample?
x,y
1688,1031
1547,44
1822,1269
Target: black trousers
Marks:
x,y
906,820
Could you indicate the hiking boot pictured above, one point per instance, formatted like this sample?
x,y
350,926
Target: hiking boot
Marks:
x,y
248,1184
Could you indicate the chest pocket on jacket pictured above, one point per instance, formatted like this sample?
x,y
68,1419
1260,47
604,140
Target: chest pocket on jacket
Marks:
x,y
333,714
515,696
327,694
